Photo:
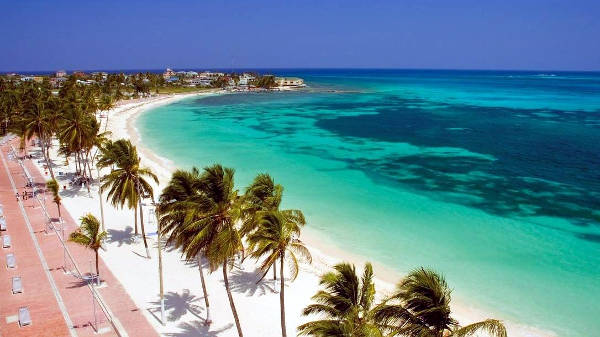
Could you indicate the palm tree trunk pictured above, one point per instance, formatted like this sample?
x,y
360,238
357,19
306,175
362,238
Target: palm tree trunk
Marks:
x,y
282,298
206,303
87,158
160,273
84,164
76,164
135,218
58,208
235,315
143,229
48,146
106,124
46,158
97,269
274,270
23,144
80,167
101,209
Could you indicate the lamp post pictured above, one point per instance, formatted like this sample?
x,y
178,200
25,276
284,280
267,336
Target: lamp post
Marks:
x,y
160,273
101,208
100,199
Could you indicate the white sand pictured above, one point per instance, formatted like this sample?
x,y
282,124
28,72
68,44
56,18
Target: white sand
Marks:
x,y
257,305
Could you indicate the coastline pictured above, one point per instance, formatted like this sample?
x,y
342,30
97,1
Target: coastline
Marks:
x,y
326,251
121,123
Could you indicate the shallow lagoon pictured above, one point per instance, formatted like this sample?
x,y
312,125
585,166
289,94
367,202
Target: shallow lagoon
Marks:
x,y
490,177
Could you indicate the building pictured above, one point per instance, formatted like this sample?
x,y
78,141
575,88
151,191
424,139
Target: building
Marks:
x,y
210,74
103,75
57,82
60,73
245,79
78,74
187,73
289,82
168,73
197,81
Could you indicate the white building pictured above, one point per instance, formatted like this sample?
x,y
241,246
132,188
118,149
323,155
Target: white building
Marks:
x,y
289,82
197,81
245,79
211,74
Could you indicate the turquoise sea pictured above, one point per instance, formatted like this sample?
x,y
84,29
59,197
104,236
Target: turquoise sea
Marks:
x,y
492,178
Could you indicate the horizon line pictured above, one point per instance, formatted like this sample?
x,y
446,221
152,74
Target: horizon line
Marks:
x,y
231,69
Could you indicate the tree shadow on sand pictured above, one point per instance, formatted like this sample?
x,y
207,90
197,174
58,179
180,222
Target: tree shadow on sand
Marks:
x,y
121,236
197,328
244,282
177,305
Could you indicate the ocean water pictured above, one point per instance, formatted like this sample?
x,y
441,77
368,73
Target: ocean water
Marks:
x,y
492,178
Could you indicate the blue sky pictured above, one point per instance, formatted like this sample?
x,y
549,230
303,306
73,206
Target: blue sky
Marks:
x,y
459,34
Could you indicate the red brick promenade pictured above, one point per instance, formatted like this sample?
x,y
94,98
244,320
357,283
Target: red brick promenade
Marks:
x,y
60,304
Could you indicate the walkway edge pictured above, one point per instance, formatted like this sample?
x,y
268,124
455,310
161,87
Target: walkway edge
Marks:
x,y
59,299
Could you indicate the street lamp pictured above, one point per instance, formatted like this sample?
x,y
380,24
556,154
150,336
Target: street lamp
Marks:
x,y
160,273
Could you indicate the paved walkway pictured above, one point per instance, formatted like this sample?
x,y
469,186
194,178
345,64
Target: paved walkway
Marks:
x,y
60,303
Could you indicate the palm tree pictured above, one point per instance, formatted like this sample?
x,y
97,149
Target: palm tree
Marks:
x,y
211,227
76,128
421,307
127,183
106,103
36,120
276,239
10,101
262,195
52,185
108,157
176,204
108,154
345,305
90,236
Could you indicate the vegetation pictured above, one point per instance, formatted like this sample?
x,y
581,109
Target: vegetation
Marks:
x,y
345,305
204,222
89,235
220,82
266,81
177,208
420,307
52,185
199,212
276,239
126,184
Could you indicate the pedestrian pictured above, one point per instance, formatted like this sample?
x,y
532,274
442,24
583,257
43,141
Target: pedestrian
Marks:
x,y
17,196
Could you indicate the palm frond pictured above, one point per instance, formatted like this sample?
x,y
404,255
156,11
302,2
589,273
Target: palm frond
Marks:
x,y
493,327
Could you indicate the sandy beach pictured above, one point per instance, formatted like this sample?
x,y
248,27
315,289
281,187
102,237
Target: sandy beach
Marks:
x,y
257,304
